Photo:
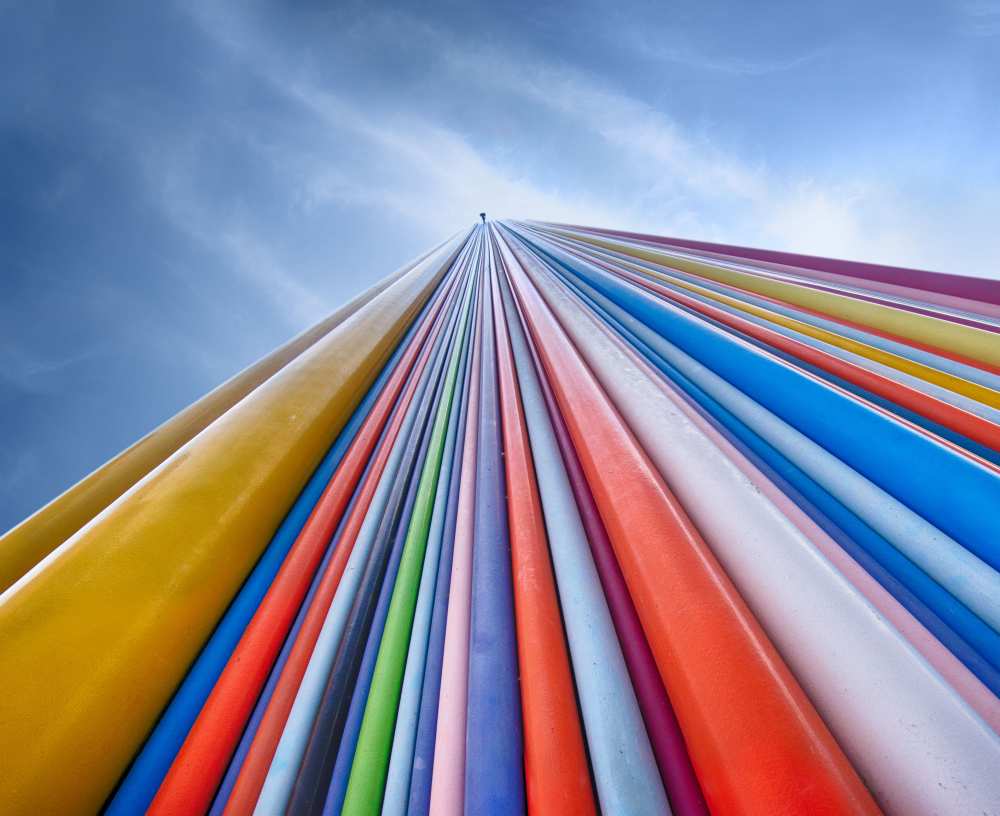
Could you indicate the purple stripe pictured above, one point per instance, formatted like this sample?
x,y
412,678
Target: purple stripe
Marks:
x,y
957,285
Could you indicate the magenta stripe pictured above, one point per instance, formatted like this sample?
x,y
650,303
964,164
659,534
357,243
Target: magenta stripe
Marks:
x,y
661,724
974,288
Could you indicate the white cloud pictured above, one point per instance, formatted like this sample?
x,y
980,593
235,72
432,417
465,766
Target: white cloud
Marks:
x,y
27,371
255,260
440,179
626,124
981,18
16,468
876,223
170,168
429,173
757,65
745,201
669,180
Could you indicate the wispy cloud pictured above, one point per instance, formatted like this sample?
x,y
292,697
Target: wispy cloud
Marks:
x,y
442,178
737,199
625,123
980,18
255,260
172,173
729,64
25,370
418,169
669,178
16,468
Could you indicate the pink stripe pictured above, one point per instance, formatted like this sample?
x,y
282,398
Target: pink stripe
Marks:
x,y
448,779
966,684
949,301
981,289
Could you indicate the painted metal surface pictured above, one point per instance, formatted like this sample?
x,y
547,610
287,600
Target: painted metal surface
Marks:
x,y
625,772
221,714
494,765
749,758
124,586
789,587
39,534
556,777
556,519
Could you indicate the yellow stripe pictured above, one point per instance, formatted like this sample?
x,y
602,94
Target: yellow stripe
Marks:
x,y
969,342
35,537
958,385
96,637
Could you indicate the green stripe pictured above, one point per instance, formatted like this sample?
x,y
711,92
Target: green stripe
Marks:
x,y
366,785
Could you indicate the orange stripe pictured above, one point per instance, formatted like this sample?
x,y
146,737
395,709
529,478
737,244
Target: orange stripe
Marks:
x,y
257,762
198,768
556,775
964,422
757,743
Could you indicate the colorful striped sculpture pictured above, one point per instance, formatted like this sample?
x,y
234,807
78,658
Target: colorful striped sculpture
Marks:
x,y
557,520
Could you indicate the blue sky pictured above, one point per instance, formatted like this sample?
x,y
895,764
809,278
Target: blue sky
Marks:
x,y
184,185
